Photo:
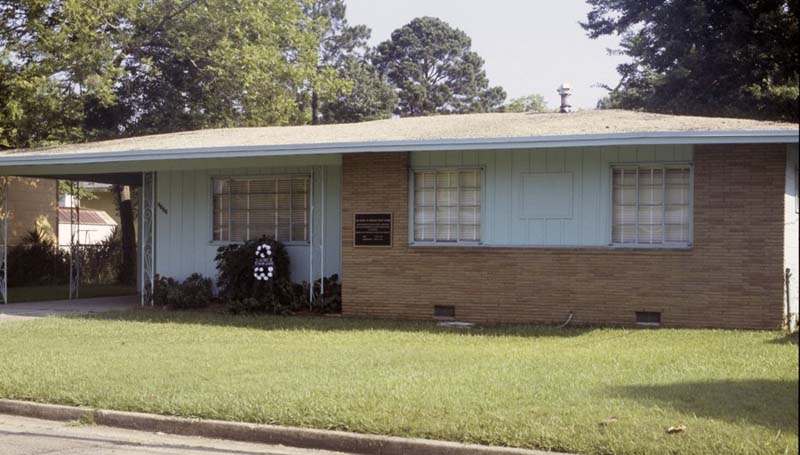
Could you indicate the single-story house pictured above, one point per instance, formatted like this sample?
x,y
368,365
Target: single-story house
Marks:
x,y
599,217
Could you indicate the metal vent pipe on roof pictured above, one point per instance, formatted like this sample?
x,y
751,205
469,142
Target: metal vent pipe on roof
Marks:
x,y
565,90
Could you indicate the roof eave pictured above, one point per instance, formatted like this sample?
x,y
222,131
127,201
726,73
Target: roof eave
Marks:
x,y
505,143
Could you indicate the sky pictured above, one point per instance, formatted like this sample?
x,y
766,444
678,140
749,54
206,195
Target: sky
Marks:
x,y
530,46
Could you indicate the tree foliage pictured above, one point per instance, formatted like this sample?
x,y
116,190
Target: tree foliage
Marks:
x,y
530,103
76,70
435,70
704,57
336,41
372,97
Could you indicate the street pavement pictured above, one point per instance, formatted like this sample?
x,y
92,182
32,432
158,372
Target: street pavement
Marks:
x,y
26,436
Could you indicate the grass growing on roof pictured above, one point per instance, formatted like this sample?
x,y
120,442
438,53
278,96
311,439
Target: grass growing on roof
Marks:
x,y
737,392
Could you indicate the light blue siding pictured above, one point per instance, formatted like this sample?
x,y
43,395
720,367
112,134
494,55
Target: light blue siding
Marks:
x,y
183,234
576,215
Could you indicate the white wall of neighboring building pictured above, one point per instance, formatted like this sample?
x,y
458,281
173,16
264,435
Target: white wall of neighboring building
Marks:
x,y
89,234
791,250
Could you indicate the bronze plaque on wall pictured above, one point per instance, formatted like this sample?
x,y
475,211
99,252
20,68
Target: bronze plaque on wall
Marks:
x,y
373,229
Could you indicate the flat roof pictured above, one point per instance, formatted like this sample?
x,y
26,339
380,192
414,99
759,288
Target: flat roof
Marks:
x,y
443,132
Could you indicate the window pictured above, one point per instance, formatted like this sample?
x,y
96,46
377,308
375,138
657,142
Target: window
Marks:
x,y
447,205
247,208
652,205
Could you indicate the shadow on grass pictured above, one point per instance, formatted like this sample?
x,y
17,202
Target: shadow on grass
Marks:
x,y
329,324
768,403
789,338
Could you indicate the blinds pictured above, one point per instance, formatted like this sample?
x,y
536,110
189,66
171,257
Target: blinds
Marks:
x,y
651,205
447,205
248,208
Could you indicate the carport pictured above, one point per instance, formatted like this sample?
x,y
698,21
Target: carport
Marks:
x,y
84,173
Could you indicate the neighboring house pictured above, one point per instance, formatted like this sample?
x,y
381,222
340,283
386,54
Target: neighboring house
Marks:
x,y
95,226
93,223
604,217
31,205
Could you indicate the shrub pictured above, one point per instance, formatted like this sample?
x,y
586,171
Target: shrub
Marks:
x,y
193,292
100,263
37,261
331,300
242,292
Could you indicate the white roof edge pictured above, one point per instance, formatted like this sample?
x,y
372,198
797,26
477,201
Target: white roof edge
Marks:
x,y
503,143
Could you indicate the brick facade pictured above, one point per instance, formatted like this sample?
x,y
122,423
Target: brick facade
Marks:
x,y
731,278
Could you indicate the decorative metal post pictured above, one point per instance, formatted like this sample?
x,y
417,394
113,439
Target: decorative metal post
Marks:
x,y
4,235
75,241
148,248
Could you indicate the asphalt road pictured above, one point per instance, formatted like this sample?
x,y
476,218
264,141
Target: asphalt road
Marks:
x,y
25,436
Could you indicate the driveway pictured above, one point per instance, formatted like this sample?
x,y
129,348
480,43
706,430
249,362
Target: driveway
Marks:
x,y
25,436
28,310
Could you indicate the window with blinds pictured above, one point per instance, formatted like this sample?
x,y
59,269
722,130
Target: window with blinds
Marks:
x,y
447,205
652,205
248,208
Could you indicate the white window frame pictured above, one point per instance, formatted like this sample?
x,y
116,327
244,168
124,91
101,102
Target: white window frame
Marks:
x,y
650,165
258,177
412,206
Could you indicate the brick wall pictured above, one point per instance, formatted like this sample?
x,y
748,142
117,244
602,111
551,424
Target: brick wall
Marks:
x,y
731,278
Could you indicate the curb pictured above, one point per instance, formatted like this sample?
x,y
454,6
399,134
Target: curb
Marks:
x,y
339,441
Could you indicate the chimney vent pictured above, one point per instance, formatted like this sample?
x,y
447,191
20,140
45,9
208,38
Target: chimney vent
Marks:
x,y
565,90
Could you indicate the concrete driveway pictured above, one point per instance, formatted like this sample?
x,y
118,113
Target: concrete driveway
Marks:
x,y
28,310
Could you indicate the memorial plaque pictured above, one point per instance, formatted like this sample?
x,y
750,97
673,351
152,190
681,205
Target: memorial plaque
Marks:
x,y
373,229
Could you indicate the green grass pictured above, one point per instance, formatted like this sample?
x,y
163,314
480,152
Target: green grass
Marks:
x,y
61,292
526,387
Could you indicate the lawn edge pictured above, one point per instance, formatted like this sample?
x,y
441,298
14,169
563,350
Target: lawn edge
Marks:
x,y
306,438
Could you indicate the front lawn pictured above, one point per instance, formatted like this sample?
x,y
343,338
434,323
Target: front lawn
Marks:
x,y
593,391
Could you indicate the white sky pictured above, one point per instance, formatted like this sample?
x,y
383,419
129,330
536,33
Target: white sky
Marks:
x,y
530,46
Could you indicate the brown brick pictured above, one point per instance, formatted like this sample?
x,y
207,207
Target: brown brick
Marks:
x,y
731,278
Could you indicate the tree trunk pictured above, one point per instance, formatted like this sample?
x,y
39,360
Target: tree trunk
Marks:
x,y
314,108
127,271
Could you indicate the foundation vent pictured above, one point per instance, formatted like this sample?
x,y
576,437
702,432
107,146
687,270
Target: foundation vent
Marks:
x,y
444,312
648,318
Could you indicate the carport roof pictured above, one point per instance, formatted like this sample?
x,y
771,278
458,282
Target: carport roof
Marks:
x,y
446,132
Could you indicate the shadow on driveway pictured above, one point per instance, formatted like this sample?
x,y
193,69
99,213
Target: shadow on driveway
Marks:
x,y
29,310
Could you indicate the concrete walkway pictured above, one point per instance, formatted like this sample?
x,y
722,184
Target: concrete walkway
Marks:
x,y
28,310
26,436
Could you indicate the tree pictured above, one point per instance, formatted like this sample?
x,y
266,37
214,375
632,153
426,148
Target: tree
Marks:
x,y
217,63
337,42
81,70
371,98
704,57
435,70
530,103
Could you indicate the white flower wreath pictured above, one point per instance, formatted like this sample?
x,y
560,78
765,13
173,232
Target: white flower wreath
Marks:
x,y
263,269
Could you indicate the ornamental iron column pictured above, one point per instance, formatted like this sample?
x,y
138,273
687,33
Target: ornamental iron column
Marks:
x,y
4,239
74,240
148,202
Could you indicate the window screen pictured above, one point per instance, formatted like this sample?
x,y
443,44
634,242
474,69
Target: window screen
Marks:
x,y
651,205
247,208
447,205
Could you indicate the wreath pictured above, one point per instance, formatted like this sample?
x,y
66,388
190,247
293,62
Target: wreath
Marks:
x,y
264,266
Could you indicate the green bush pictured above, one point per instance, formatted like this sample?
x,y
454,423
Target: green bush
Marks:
x,y
100,263
331,300
193,292
242,292
37,261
